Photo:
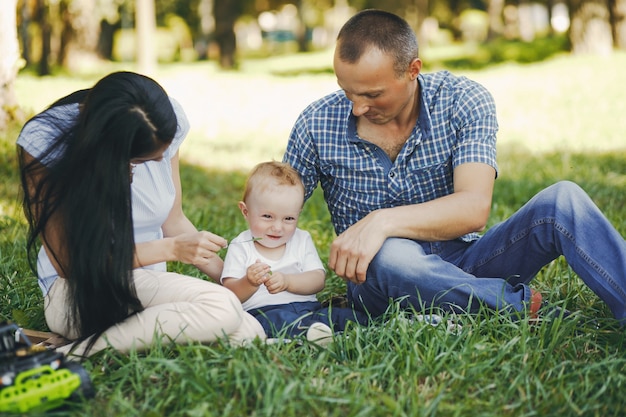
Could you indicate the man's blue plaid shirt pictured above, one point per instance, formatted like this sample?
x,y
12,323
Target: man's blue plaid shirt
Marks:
x,y
457,124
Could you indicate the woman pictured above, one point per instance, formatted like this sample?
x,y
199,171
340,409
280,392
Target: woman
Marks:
x,y
102,194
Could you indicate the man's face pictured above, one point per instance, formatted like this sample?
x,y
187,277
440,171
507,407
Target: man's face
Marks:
x,y
372,85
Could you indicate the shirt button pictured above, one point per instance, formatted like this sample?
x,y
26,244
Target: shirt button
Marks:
x,y
392,174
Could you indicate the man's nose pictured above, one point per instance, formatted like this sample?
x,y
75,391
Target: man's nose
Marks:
x,y
359,108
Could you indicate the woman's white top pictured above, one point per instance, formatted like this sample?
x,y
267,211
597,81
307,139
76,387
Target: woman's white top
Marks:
x,y
152,189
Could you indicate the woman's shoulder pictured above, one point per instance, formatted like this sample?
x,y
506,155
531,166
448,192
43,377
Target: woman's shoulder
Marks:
x,y
51,119
181,130
42,129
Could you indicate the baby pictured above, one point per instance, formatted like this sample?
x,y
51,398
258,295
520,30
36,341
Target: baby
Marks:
x,y
274,268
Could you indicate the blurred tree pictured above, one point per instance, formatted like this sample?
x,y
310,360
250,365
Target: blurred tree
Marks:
x,y
422,9
226,13
301,35
41,17
205,28
9,61
145,31
23,20
308,12
413,11
110,22
550,4
495,9
187,9
590,30
80,31
618,22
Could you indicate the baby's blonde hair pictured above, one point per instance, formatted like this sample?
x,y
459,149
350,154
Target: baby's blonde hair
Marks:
x,y
271,173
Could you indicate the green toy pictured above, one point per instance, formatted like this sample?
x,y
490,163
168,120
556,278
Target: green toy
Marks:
x,y
33,378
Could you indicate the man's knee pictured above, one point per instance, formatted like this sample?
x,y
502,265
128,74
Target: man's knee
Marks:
x,y
396,255
562,194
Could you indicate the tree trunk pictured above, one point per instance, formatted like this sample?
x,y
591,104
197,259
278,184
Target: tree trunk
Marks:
x,y
618,22
422,8
43,19
550,6
301,34
105,40
226,13
9,60
145,24
525,20
79,39
496,25
590,30
24,35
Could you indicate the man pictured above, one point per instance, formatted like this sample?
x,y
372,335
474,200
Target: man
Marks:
x,y
407,162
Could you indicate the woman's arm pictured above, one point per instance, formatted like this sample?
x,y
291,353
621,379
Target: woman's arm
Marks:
x,y
51,238
182,241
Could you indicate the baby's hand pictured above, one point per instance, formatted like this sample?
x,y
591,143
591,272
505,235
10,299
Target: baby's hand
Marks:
x,y
258,273
276,282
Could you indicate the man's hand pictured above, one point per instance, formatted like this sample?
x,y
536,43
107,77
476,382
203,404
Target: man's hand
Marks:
x,y
353,250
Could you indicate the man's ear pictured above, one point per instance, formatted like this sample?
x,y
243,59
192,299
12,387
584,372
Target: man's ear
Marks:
x,y
415,67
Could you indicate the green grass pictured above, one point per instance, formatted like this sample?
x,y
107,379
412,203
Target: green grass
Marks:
x,y
484,55
560,119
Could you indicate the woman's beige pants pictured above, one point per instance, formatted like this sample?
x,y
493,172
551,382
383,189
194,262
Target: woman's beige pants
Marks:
x,y
177,308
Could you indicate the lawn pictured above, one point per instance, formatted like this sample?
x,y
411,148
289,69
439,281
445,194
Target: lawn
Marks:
x,y
560,119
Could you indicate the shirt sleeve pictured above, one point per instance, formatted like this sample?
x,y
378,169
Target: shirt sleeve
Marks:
x,y
43,129
181,131
311,259
236,260
476,125
302,155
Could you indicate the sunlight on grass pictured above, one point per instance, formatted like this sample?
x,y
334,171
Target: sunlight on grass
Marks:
x,y
239,119
565,104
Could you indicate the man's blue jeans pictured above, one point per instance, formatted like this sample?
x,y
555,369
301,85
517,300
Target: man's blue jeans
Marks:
x,y
496,269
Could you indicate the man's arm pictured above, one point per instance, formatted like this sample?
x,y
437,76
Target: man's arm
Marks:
x,y
464,211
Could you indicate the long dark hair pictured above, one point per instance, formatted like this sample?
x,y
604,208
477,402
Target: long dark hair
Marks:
x,y
84,185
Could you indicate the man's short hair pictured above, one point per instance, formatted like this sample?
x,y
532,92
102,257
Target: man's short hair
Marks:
x,y
376,28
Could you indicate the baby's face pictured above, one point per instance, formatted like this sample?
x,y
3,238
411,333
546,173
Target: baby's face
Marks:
x,y
272,214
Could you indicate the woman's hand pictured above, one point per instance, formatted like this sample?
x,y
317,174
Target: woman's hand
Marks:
x,y
197,248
